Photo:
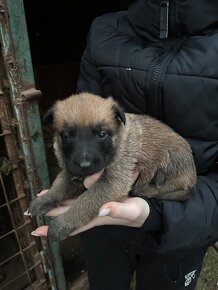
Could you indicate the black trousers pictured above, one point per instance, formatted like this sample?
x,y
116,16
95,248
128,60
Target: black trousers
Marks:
x,y
114,253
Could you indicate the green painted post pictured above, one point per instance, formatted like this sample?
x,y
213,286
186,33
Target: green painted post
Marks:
x,y
16,51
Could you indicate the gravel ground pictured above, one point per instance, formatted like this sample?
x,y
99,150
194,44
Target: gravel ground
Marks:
x,y
209,275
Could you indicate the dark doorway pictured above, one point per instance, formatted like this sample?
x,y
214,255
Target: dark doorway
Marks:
x,y
57,34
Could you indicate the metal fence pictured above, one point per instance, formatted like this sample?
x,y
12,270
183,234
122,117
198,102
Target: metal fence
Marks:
x,y
25,262
20,263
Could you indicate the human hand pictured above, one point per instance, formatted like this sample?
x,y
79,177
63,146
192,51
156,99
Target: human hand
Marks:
x,y
131,212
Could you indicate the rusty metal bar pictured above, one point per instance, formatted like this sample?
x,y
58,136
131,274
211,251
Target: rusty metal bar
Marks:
x,y
11,146
31,94
18,178
18,92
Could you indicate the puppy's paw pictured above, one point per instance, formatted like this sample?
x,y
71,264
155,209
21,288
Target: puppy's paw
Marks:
x,y
60,228
40,206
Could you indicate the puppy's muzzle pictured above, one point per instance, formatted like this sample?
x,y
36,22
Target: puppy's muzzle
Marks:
x,y
83,164
83,161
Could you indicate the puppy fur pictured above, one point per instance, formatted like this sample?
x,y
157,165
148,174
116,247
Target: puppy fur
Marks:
x,y
92,134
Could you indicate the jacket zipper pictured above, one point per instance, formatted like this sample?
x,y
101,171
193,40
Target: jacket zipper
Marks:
x,y
164,18
154,105
159,66
155,76
154,80
167,6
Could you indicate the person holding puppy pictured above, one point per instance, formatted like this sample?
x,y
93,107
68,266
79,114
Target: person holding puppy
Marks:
x,y
156,58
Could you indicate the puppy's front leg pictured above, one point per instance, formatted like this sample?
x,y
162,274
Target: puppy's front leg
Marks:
x,y
59,190
87,206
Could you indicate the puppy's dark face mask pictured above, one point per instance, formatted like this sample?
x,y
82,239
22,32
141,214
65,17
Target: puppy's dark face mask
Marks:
x,y
86,150
87,128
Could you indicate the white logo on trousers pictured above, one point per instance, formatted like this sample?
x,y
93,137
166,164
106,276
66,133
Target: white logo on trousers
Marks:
x,y
189,277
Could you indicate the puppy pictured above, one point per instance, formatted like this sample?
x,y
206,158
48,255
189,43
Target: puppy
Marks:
x,y
94,134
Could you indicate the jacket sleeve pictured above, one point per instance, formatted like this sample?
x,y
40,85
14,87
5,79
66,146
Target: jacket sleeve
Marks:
x,y
189,224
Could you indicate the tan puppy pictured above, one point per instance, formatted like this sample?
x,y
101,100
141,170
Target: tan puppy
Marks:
x,y
93,133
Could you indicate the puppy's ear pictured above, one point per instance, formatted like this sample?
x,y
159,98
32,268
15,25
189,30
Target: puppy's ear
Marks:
x,y
48,118
119,113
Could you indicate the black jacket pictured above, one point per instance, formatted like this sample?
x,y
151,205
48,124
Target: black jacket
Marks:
x,y
161,58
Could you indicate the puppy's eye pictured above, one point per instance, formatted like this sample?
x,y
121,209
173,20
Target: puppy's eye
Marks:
x,y
65,135
102,135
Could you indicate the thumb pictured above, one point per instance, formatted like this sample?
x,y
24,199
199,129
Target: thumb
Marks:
x,y
115,210
91,179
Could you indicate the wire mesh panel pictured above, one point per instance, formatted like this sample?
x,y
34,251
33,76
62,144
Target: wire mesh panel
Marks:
x,y
20,263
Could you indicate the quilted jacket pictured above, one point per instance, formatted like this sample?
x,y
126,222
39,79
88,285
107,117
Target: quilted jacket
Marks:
x,y
161,58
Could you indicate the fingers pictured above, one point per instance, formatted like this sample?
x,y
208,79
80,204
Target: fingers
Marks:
x,y
132,212
117,210
58,210
68,202
99,221
41,231
42,192
104,212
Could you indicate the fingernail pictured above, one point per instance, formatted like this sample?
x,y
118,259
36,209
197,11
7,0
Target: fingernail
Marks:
x,y
27,213
104,212
35,234
42,192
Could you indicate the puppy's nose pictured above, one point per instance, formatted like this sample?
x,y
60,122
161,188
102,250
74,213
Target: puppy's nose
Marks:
x,y
85,163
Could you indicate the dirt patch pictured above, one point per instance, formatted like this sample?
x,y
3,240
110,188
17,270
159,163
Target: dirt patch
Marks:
x,y
208,279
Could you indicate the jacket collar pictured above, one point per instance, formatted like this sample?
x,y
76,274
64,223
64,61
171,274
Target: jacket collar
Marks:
x,y
179,17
